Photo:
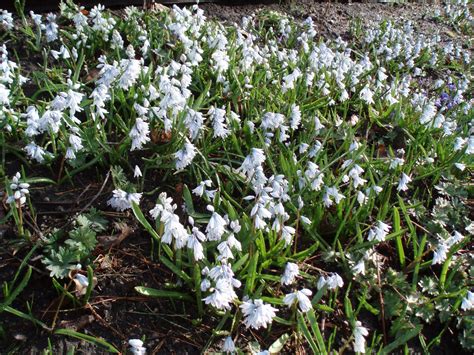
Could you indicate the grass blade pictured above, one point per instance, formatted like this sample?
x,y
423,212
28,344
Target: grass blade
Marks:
x,y
402,340
152,292
89,338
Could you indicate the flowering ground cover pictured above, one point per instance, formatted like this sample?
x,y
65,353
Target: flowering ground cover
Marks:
x,y
176,184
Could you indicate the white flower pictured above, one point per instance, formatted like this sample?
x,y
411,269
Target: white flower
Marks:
x,y
130,71
219,122
80,21
139,134
429,112
194,243
354,173
359,267
216,227
185,156
136,347
295,118
117,41
332,192
51,28
460,166
454,239
100,96
235,226
379,232
224,251
223,271
367,95
440,253
360,333
122,200
19,190
403,182
205,284
301,297
201,188
165,206
4,95
257,314
252,161
137,172
76,146
174,230
331,282
468,301
6,19
259,213
289,275
362,198
36,152
51,120
220,61
232,242
395,162
83,280
459,143
290,79
229,346
63,53
470,145
194,121
222,296
318,125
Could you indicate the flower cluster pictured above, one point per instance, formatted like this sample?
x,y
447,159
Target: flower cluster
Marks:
x,y
277,149
19,191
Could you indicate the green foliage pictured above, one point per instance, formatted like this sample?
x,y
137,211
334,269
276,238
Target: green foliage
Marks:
x,y
413,274
92,220
77,248
61,260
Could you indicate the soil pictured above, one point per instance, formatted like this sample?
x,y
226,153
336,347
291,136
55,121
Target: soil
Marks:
x,y
118,312
333,19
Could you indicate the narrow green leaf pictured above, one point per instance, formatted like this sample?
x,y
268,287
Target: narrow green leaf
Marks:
x,y
238,265
141,218
96,341
323,307
273,300
186,278
11,297
152,292
317,333
26,316
282,321
402,339
188,200
398,239
39,180
278,344
197,287
90,286
62,289
251,273
318,295
309,338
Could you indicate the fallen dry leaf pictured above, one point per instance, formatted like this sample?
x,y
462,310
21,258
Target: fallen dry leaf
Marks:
x,y
77,324
110,241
